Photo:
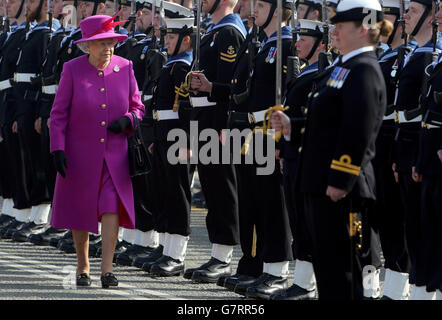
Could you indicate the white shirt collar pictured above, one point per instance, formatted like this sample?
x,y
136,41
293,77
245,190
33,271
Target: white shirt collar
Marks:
x,y
356,52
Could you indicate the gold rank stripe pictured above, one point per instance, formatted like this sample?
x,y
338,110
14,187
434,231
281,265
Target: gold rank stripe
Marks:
x,y
181,93
228,60
233,55
345,167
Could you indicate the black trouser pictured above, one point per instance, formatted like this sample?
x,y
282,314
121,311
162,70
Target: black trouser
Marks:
x,y
294,199
33,170
388,210
7,177
328,225
431,228
219,186
46,159
411,201
173,185
250,264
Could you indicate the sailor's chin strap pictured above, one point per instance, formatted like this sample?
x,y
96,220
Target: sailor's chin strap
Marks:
x,y
264,128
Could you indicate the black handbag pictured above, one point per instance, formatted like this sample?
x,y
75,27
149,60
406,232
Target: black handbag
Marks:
x,y
139,163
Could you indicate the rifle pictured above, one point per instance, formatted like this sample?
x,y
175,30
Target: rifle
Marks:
x,y
196,61
325,57
430,57
116,7
293,63
132,18
50,16
6,26
163,30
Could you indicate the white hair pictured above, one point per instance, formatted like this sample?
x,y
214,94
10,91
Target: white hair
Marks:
x,y
83,46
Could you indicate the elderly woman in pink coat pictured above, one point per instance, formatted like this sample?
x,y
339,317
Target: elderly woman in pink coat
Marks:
x,y
89,122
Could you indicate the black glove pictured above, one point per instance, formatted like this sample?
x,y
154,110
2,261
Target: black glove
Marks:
x,y
60,162
119,125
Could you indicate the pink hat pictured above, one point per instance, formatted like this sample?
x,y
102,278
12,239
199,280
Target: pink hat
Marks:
x,y
100,27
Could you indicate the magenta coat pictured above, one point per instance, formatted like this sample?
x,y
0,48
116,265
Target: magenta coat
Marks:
x,y
87,101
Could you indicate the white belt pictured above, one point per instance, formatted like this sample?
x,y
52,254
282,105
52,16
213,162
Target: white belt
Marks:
x,y
257,116
400,118
147,97
201,102
23,77
5,84
164,115
52,89
390,117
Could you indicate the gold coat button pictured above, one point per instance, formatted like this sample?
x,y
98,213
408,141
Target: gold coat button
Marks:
x,y
310,94
101,140
305,111
100,74
103,106
103,123
102,90
302,130
300,149
316,94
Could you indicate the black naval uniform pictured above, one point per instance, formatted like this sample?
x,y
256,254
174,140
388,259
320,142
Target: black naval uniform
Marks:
x,y
296,100
29,65
172,180
218,50
429,165
344,114
407,140
272,227
250,264
12,185
388,208
48,83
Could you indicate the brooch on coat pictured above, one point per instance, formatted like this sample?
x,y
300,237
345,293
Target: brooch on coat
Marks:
x,y
337,78
116,68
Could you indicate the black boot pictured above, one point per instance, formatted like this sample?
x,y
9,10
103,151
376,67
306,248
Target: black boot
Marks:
x,y
211,271
94,244
295,292
43,238
66,244
28,229
125,258
266,286
167,267
140,261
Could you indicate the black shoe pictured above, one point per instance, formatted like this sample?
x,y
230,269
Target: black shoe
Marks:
x,y
4,228
149,259
268,285
212,271
5,220
167,267
232,281
125,258
121,246
29,228
66,244
221,280
108,280
386,298
12,228
295,292
83,280
43,238
94,244
57,237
